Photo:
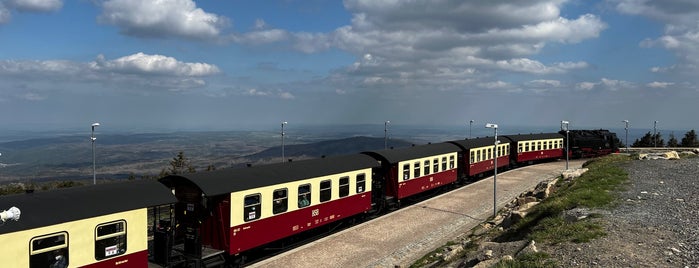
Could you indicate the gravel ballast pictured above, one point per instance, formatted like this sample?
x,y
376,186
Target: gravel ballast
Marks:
x,y
656,223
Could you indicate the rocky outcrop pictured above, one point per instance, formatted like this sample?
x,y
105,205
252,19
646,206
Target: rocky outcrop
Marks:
x,y
671,155
479,251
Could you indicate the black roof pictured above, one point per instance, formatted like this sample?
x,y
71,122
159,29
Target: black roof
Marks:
x,y
45,208
479,142
225,181
540,136
402,154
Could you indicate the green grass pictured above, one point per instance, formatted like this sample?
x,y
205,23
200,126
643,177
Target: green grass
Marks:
x,y
597,188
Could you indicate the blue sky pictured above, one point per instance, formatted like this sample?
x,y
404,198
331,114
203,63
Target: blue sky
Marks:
x,y
183,64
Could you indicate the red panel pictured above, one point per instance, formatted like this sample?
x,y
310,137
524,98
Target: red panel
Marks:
x,y
421,184
133,260
483,166
539,155
215,229
259,232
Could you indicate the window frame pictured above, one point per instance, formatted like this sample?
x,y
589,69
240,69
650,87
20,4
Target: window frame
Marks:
x,y
416,169
325,192
307,195
253,207
361,179
283,204
344,189
121,234
48,252
426,167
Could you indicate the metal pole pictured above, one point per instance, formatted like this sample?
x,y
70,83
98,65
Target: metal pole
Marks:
x,y
495,169
385,134
495,177
470,123
283,123
94,165
566,124
627,134
655,139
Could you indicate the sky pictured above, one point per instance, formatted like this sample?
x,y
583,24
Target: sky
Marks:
x,y
212,65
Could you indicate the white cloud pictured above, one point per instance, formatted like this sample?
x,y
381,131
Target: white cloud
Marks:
x,y
4,14
34,5
7,6
656,84
153,64
31,96
137,71
585,85
163,19
606,84
681,34
544,83
268,93
494,85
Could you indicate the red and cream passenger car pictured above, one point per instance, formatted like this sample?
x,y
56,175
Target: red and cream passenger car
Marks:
x,y
477,155
239,209
413,170
529,148
103,225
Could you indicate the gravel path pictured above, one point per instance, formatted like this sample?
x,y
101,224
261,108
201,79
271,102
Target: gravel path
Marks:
x,y
655,225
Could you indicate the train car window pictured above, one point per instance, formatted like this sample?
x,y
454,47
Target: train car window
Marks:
x,y
473,157
325,190
416,169
110,239
538,146
520,146
406,171
361,183
451,162
281,201
435,164
344,186
489,154
252,209
49,251
526,146
478,156
304,195
426,166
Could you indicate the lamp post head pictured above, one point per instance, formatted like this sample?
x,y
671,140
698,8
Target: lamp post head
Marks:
x,y
471,121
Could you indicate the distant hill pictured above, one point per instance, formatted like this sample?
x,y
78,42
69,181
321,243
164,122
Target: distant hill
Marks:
x,y
328,148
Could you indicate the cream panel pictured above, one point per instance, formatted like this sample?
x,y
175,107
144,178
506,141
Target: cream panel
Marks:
x,y
412,162
81,239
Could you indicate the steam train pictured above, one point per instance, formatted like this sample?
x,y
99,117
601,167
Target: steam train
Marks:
x,y
215,218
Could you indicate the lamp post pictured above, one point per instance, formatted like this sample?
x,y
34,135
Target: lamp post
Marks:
x,y
495,174
385,134
470,123
283,124
626,127
566,123
94,165
655,138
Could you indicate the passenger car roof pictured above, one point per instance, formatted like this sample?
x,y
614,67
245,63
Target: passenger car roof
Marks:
x,y
225,181
45,208
539,136
479,142
396,155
